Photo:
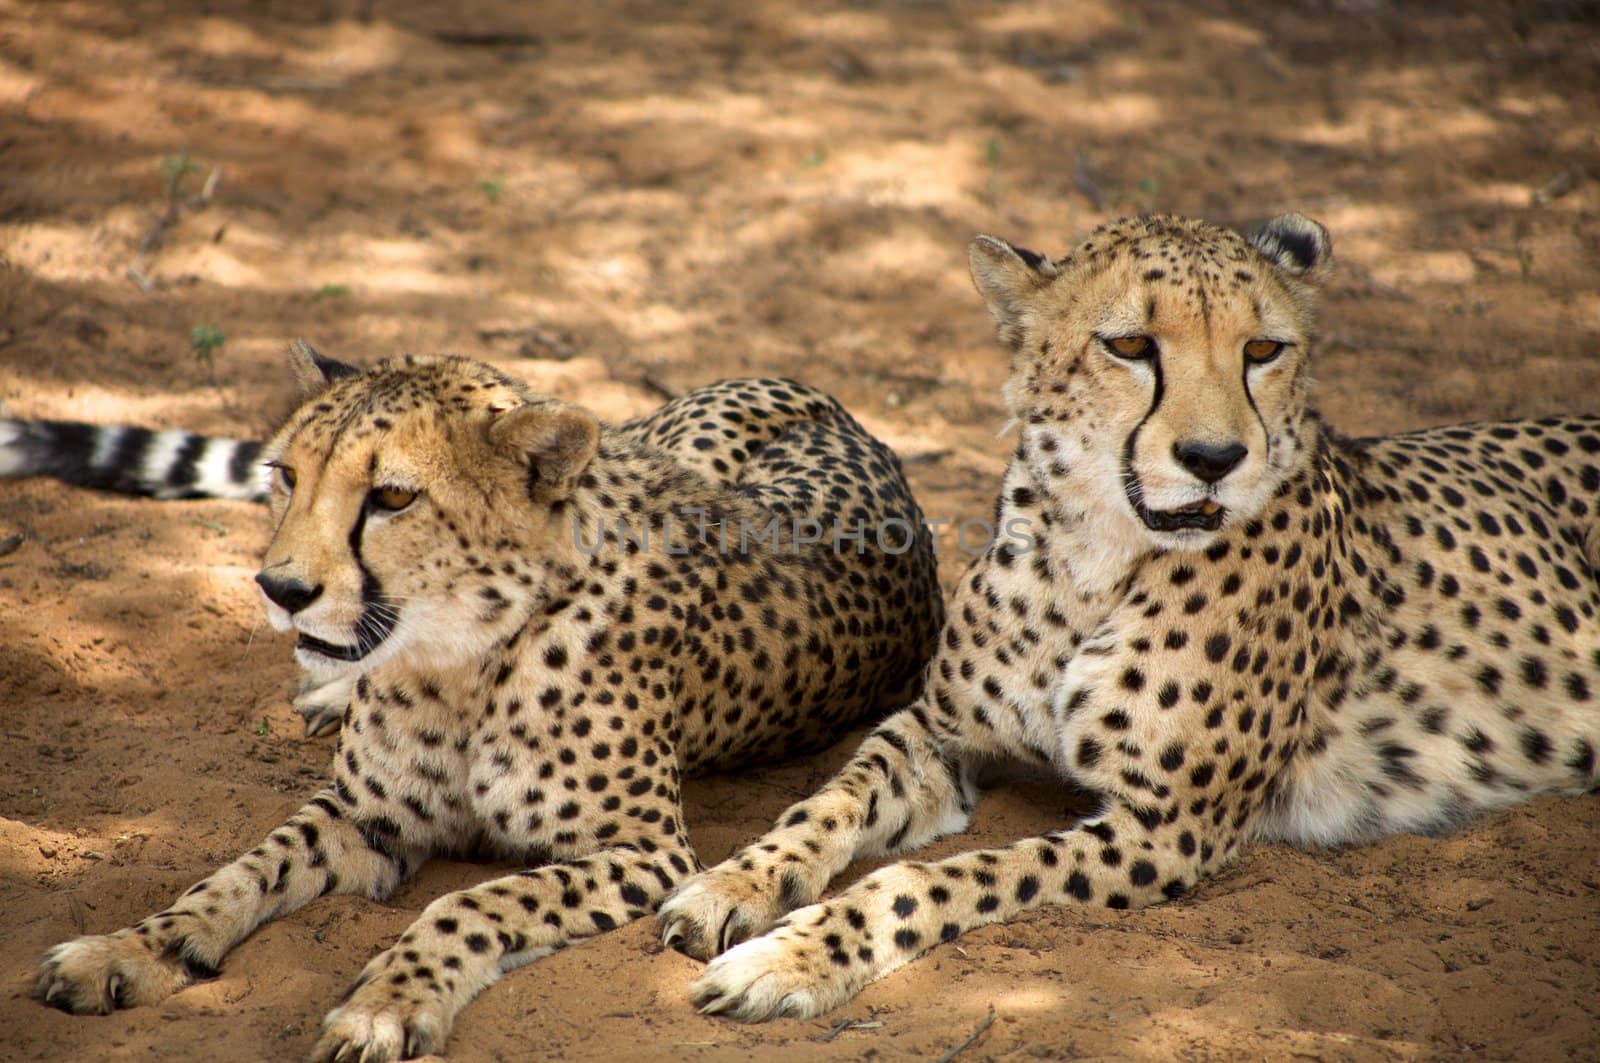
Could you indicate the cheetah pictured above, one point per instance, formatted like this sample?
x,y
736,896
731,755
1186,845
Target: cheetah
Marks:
x,y
540,622
1230,623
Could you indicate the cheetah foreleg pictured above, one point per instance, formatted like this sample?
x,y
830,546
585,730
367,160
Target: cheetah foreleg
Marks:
x,y
901,790
317,851
821,956
406,1000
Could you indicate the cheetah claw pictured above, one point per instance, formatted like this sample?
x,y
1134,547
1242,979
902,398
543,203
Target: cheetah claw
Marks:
x,y
360,1034
375,1025
681,934
99,974
715,911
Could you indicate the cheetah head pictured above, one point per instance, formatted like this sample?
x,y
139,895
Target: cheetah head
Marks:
x,y
417,508
1159,372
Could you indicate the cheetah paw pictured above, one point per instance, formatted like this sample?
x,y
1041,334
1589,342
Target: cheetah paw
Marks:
x,y
717,909
101,973
780,975
323,704
375,1026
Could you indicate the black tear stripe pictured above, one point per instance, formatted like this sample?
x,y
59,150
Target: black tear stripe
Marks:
x,y
374,626
1266,434
1129,477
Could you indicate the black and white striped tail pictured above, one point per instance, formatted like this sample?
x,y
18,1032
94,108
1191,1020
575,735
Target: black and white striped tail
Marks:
x,y
170,463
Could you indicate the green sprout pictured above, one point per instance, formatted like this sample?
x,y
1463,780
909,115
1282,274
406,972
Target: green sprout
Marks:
x,y
177,169
206,341
491,189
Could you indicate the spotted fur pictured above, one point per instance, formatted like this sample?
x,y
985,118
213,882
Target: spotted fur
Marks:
x,y
519,685
1233,625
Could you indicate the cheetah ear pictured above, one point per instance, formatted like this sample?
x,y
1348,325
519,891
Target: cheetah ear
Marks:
x,y
312,371
1297,245
555,440
1007,277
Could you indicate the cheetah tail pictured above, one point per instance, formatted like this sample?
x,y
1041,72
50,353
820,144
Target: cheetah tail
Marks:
x,y
168,463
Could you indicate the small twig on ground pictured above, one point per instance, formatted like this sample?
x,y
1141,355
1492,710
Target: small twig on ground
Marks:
x,y
847,1024
135,270
844,1024
1558,186
971,1038
79,920
169,217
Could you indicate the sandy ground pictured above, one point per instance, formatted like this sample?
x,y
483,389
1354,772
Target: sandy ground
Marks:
x,y
618,201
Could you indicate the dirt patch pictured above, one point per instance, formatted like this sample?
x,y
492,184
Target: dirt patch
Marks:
x,y
621,200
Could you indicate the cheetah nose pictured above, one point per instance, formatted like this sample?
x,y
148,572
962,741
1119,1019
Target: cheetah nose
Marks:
x,y
1209,461
290,594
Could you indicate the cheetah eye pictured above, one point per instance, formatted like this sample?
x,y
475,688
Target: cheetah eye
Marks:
x,y
284,477
1260,352
390,499
1133,348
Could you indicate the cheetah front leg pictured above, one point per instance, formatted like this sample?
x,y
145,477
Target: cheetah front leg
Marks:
x,y
903,788
822,955
405,1001
319,850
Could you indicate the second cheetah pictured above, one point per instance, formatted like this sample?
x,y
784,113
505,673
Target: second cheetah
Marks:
x,y
1233,625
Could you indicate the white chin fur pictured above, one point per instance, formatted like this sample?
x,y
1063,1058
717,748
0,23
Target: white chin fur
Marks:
x,y
1185,538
